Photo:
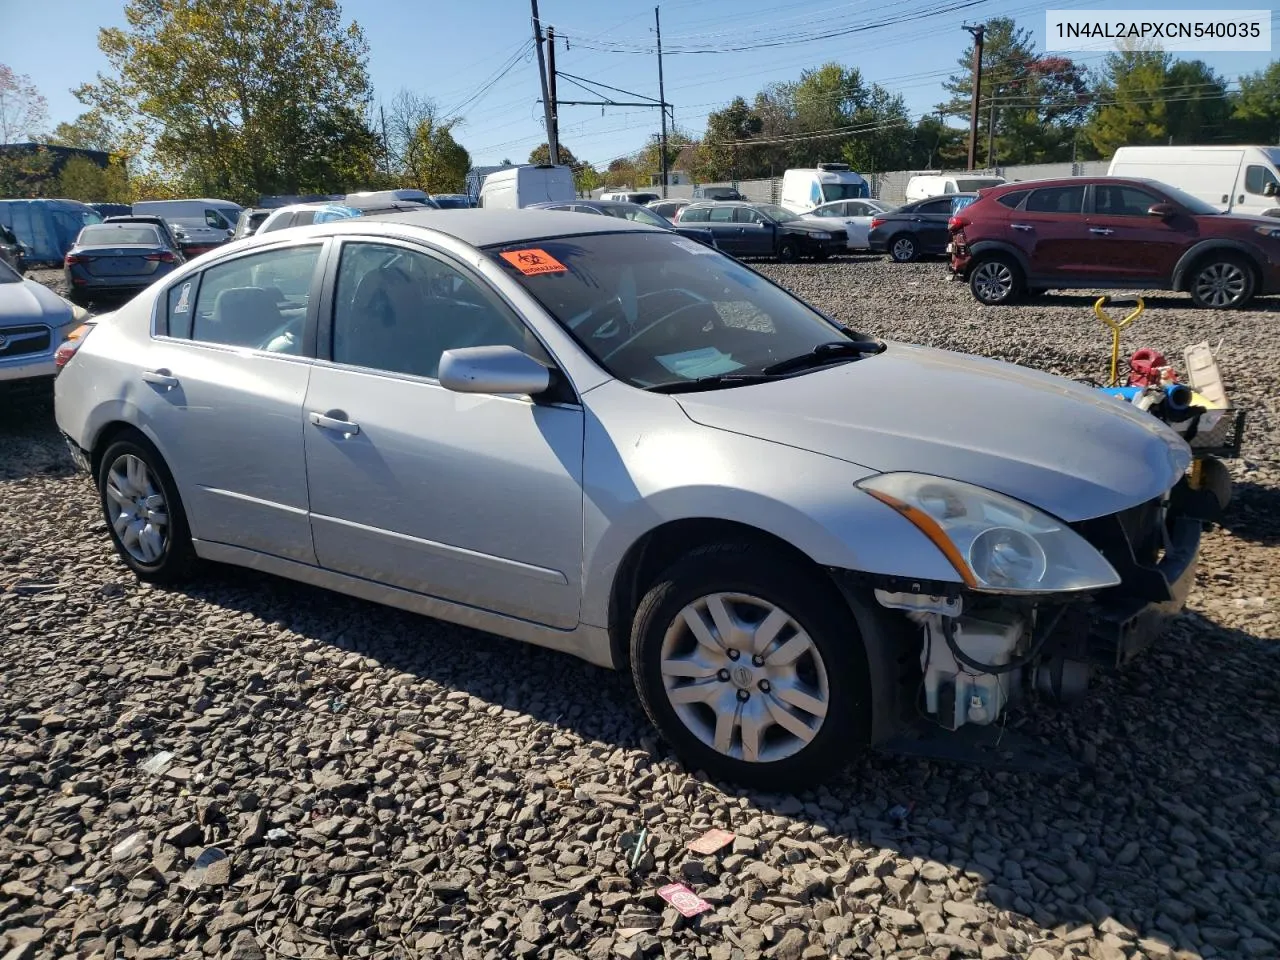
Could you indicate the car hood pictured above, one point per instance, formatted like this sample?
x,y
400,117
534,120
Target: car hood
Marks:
x,y
1068,449
809,226
31,302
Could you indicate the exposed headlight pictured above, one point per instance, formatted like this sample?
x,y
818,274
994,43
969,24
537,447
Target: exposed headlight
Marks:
x,y
997,544
1272,233
821,235
78,313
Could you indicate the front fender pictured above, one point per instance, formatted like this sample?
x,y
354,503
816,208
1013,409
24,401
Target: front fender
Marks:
x,y
1188,259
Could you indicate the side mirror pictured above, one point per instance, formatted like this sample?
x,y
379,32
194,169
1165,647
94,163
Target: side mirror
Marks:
x,y
495,369
1162,210
1270,188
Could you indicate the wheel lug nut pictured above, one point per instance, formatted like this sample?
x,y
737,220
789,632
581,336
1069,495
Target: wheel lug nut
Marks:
x,y
744,696
734,654
764,686
723,676
758,660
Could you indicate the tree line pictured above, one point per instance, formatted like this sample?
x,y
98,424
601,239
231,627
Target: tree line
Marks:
x,y
240,98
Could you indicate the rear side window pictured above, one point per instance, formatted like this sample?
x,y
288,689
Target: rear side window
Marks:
x,y
1012,200
181,299
722,214
258,301
935,206
1056,200
695,214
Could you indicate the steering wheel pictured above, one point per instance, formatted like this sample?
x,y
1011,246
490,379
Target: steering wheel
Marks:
x,y
613,324
715,320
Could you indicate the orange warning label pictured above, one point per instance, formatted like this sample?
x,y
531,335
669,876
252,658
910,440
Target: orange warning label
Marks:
x,y
533,262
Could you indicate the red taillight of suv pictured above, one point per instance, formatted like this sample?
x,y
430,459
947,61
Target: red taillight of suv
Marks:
x,y
166,257
74,258
958,223
69,346
877,222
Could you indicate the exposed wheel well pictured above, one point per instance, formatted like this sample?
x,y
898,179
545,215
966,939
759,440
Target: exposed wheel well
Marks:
x,y
661,547
1198,261
107,436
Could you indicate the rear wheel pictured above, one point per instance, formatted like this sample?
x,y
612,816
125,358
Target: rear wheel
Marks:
x,y
751,668
995,281
1222,281
903,249
788,251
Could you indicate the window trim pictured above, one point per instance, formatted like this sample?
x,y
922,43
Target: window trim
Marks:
x,y
327,304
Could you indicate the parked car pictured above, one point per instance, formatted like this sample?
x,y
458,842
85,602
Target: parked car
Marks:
x,y
1109,232
112,209
525,185
206,223
452,201
913,230
921,187
854,216
34,321
46,228
805,189
633,212
1233,179
304,214
11,251
172,235
114,259
630,196
716,193
763,230
378,196
250,220
668,209
661,466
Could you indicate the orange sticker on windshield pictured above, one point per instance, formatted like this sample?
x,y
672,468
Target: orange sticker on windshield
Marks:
x,y
533,262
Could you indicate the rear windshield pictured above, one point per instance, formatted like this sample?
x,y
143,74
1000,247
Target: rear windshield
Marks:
x,y
970,184
107,235
660,310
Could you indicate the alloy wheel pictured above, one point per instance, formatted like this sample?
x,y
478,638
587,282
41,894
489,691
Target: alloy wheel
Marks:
x,y
136,509
904,249
1221,284
744,677
993,281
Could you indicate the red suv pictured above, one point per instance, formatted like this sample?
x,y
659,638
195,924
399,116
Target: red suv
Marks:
x,y
1103,232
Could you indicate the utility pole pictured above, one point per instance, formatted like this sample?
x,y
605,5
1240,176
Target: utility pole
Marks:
x,y
978,33
551,84
991,133
662,107
386,147
547,110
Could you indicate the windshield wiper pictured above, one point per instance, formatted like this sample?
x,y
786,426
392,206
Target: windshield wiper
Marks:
x,y
824,353
709,383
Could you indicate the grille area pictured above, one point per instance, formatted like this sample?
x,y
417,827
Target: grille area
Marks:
x,y
21,341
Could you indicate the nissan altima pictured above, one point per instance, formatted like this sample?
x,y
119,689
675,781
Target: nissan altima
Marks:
x,y
600,437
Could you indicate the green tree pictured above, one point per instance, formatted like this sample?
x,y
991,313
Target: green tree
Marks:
x,y
1198,108
82,179
716,158
240,97
27,173
1132,108
649,159
89,131
443,163
1255,116
542,154
937,146
23,109
883,133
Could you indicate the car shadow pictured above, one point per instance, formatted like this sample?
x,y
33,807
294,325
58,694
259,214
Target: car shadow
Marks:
x,y
30,444
1254,513
1108,839
1163,301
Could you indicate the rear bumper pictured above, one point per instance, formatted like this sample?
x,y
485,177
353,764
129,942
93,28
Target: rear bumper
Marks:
x,y
78,456
39,366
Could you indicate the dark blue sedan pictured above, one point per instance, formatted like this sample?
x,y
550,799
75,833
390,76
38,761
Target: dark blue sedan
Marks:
x,y
629,211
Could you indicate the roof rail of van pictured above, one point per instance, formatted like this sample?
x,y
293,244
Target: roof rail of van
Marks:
x,y
833,166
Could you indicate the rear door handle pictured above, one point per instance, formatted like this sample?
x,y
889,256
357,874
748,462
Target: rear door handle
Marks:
x,y
161,378
1026,227
1101,231
336,421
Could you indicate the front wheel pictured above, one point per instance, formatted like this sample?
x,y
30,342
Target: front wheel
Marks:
x,y
996,281
788,252
752,669
1222,282
903,249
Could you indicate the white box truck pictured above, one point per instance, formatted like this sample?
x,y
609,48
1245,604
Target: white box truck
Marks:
x,y
804,189
532,183
1240,179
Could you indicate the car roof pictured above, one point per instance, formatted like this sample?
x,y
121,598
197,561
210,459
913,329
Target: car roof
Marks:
x,y
730,203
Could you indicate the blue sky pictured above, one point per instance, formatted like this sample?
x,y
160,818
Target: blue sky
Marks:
x,y
451,51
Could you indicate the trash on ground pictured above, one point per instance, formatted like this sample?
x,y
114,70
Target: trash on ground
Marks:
x,y
633,844
158,764
131,846
711,841
684,899
210,868
277,833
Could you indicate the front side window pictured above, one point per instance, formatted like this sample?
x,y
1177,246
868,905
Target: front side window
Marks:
x,y
657,310
1117,201
1056,200
1257,177
397,310
258,301
1011,200
638,214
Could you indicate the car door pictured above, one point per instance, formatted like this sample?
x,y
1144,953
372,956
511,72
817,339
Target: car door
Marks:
x,y
1050,228
1128,242
758,232
222,390
727,231
471,498
930,224
857,222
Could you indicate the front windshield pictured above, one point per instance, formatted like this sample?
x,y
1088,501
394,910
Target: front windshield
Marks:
x,y
638,214
450,202
1193,204
657,309
844,191
774,212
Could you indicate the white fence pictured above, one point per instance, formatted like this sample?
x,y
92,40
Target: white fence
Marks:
x,y
892,186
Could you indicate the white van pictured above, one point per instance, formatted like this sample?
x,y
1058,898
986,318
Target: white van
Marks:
x,y
924,186
207,223
630,196
804,189
1242,179
532,183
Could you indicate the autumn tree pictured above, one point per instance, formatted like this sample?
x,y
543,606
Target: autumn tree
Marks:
x,y
716,157
89,131
23,109
82,179
241,97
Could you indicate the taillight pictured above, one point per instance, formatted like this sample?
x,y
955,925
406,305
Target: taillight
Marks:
x,y
957,223
877,222
69,346
74,258
166,257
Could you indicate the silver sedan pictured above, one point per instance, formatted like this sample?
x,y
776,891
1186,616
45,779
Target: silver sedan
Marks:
x,y
593,435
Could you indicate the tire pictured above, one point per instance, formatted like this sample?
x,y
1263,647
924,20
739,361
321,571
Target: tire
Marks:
x,y
996,281
747,582
903,248
1222,281
157,552
79,299
788,252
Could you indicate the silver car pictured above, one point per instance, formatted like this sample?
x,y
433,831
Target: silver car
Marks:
x,y
593,435
34,321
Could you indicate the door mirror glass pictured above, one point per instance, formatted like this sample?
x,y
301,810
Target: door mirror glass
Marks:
x,y
493,369
1162,210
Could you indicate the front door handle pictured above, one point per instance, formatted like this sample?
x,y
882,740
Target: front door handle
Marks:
x,y
161,378
336,421
1025,227
1101,231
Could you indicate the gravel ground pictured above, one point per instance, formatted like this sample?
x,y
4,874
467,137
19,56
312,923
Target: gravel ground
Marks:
x,y
376,784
